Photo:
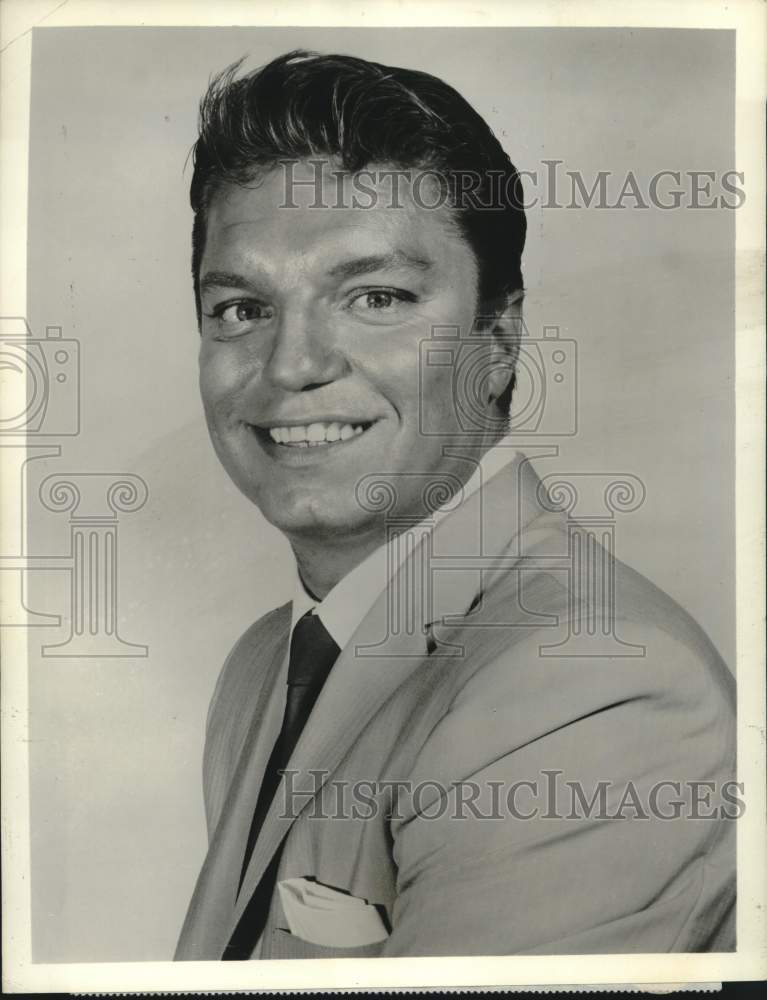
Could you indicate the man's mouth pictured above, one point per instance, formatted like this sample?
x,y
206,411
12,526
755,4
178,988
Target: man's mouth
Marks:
x,y
319,434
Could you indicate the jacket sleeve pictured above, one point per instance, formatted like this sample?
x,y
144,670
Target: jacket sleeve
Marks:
x,y
553,838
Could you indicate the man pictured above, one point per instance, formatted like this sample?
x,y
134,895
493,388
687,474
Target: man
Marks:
x,y
383,753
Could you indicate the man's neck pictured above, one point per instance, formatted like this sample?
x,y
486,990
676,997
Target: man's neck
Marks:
x,y
323,562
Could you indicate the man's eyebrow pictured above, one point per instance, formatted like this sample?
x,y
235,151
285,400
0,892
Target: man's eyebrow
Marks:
x,y
379,262
224,279
345,269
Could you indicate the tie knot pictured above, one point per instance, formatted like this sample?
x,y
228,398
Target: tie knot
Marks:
x,y
313,651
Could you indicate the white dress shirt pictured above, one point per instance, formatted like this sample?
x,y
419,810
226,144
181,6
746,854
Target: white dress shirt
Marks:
x,y
344,607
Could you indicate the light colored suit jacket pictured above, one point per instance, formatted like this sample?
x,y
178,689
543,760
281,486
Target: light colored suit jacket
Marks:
x,y
508,709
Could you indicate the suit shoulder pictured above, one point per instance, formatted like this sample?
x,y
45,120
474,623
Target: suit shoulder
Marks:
x,y
604,596
667,661
632,630
675,640
656,683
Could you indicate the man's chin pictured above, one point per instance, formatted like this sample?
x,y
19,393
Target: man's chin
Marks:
x,y
319,520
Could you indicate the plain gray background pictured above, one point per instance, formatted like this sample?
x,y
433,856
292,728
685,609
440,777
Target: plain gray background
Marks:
x,y
117,821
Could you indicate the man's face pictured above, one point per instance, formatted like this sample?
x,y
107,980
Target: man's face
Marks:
x,y
309,359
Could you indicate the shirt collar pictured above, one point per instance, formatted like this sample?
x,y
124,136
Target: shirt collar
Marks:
x,y
344,607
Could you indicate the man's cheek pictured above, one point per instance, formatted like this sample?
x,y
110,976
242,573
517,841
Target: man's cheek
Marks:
x,y
437,398
209,379
218,384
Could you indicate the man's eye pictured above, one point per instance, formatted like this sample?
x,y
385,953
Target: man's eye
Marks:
x,y
234,317
379,300
242,312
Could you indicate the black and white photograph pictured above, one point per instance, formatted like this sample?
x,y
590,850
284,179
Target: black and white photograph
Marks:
x,y
382,445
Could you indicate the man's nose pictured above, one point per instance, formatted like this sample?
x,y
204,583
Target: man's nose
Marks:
x,y
303,354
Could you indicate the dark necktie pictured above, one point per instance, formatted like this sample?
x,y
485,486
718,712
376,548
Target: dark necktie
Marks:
x,y
312,654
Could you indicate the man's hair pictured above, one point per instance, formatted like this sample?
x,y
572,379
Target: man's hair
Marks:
x,y
358,113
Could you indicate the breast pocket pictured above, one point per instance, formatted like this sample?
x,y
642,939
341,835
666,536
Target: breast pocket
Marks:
x,y
283,944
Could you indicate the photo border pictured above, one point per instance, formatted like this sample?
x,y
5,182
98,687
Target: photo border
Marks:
x,y
747,18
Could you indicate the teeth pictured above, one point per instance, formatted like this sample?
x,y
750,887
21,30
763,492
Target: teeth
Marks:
x,y
314,434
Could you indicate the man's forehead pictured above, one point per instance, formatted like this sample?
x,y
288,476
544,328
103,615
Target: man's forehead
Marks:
x,y
309,181
321,188
262,214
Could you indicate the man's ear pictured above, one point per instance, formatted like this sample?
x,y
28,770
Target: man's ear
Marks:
x,y
505,329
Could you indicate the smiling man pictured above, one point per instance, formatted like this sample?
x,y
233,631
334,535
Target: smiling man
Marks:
x,y
312,320
383,751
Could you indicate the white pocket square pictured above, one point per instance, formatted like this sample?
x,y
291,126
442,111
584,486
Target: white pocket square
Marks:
x,y
321,915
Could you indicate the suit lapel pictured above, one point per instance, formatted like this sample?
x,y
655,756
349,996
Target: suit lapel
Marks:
x,y
354,691
205,930
376,662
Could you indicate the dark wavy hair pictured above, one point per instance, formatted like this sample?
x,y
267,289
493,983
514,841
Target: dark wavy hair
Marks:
x,y
303,104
